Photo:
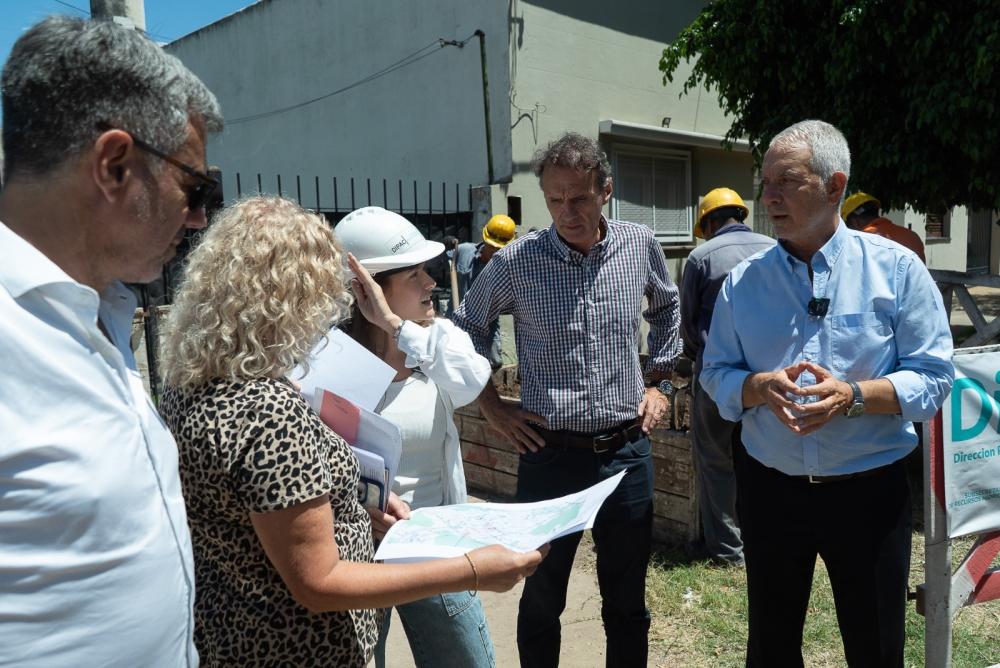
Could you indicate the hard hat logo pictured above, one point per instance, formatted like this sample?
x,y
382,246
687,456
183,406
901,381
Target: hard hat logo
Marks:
x,y
383,240
396,247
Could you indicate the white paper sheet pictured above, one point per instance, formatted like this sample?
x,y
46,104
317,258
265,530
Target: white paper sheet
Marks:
x,y
451,531
343,366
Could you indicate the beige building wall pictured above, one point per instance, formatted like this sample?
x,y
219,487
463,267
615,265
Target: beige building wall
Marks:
x,y
950,252
576,64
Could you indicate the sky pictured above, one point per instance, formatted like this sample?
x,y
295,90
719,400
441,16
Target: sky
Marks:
x,y
166,20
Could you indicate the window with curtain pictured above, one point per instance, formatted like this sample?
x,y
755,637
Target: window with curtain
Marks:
x,y
654,189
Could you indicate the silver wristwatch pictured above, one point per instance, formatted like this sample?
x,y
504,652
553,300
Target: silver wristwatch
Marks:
x,y
857,407
666,388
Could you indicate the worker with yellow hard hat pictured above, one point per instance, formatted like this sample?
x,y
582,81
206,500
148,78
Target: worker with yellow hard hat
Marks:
x,y
499,231
471,258
861,212
718,206
729,241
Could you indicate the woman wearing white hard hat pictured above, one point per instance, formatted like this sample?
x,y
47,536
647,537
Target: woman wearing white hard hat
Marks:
x,y
437,370
281,544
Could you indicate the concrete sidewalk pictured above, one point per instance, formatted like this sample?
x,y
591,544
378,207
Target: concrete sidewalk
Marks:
x,y
582,632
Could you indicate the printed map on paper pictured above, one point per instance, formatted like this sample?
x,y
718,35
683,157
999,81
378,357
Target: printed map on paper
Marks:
x,y
450,531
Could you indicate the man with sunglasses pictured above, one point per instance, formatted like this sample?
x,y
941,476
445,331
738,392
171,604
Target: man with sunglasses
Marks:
x,y
729,242
105,137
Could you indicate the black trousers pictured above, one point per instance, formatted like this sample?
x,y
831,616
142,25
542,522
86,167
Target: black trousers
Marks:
x,y
622,536
861,527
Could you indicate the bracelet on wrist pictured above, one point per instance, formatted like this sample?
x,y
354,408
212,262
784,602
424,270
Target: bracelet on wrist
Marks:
x,y
397,330
475,575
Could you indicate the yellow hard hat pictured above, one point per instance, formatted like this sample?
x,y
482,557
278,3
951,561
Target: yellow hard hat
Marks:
x,y
717,199
499,231
856,200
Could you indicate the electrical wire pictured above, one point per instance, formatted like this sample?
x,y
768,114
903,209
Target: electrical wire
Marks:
x,y
417,55
86,13
66,4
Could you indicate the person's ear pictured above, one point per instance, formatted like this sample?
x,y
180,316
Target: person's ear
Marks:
x,y
112,160
606,193
835,190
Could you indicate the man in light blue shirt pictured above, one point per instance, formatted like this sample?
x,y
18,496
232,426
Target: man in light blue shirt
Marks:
x,y
828,347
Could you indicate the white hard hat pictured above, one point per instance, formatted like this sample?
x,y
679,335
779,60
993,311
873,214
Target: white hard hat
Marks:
x,y
384,240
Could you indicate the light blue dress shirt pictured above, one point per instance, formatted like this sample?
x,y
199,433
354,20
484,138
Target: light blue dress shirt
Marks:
x,y
885,319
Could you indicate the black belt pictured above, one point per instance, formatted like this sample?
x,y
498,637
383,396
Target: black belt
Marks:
x,y
845,476
609,441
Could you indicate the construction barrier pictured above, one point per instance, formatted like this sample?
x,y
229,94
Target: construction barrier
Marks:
x,y
961,498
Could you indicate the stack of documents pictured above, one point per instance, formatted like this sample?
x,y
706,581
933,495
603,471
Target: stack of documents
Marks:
x,y
344,384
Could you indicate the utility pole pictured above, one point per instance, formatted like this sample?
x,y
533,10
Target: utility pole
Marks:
x,y
129,13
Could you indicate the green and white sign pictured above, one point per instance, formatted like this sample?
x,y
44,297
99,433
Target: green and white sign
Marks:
x,y
971,427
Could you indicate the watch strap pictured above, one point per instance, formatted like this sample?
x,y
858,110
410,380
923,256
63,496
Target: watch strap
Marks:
x,y
857,407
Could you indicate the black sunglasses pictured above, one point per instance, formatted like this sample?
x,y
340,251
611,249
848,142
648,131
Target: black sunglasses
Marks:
x,y
198,194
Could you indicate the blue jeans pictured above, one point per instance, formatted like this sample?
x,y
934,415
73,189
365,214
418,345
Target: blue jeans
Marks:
x,y
443,630
622,535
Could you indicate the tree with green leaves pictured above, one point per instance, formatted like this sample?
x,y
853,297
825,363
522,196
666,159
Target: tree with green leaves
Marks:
x,y
914,85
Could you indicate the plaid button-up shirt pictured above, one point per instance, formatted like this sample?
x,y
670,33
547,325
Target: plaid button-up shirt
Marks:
x,y
576,321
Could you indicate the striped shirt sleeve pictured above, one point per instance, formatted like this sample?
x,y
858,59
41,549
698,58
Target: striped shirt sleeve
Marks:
x,y
490,295
663,313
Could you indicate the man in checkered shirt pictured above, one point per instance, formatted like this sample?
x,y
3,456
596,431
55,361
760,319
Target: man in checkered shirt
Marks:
x,y
575,291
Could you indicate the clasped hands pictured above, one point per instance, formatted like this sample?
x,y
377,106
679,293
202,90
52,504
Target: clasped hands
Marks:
x,y
779,392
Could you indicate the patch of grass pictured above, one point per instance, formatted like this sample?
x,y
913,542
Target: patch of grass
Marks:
x,y
699,617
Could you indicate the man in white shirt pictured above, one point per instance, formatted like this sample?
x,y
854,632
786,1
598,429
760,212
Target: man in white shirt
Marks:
x,y
104,137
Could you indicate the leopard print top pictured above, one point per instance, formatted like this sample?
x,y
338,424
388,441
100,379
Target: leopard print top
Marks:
x,y
256,446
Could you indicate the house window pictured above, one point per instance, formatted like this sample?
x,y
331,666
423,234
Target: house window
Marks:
x,y
653,188
937,225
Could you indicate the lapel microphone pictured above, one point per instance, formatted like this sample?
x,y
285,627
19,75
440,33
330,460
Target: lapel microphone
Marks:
x,y
818,307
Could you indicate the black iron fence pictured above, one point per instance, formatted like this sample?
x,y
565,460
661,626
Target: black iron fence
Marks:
x,y
438,210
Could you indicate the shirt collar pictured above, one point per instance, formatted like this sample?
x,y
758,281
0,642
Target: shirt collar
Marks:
x,y
831,250
732,227
567,253
24,268
828,254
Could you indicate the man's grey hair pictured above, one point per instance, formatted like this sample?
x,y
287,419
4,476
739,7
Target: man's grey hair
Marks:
x,y
65,75
574,151
828,150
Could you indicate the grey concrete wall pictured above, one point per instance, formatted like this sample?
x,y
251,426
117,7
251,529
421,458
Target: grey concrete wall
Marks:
x,y
424,121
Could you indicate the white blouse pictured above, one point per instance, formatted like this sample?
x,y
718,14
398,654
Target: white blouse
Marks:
x,y
417,409
446,358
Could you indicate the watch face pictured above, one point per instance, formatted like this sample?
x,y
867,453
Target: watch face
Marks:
x,y
856,410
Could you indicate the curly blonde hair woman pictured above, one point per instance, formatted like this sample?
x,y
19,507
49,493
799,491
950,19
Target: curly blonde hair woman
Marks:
x,y
281,287
281,545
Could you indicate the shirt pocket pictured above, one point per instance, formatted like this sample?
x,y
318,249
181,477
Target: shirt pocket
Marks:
x,y
863,345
